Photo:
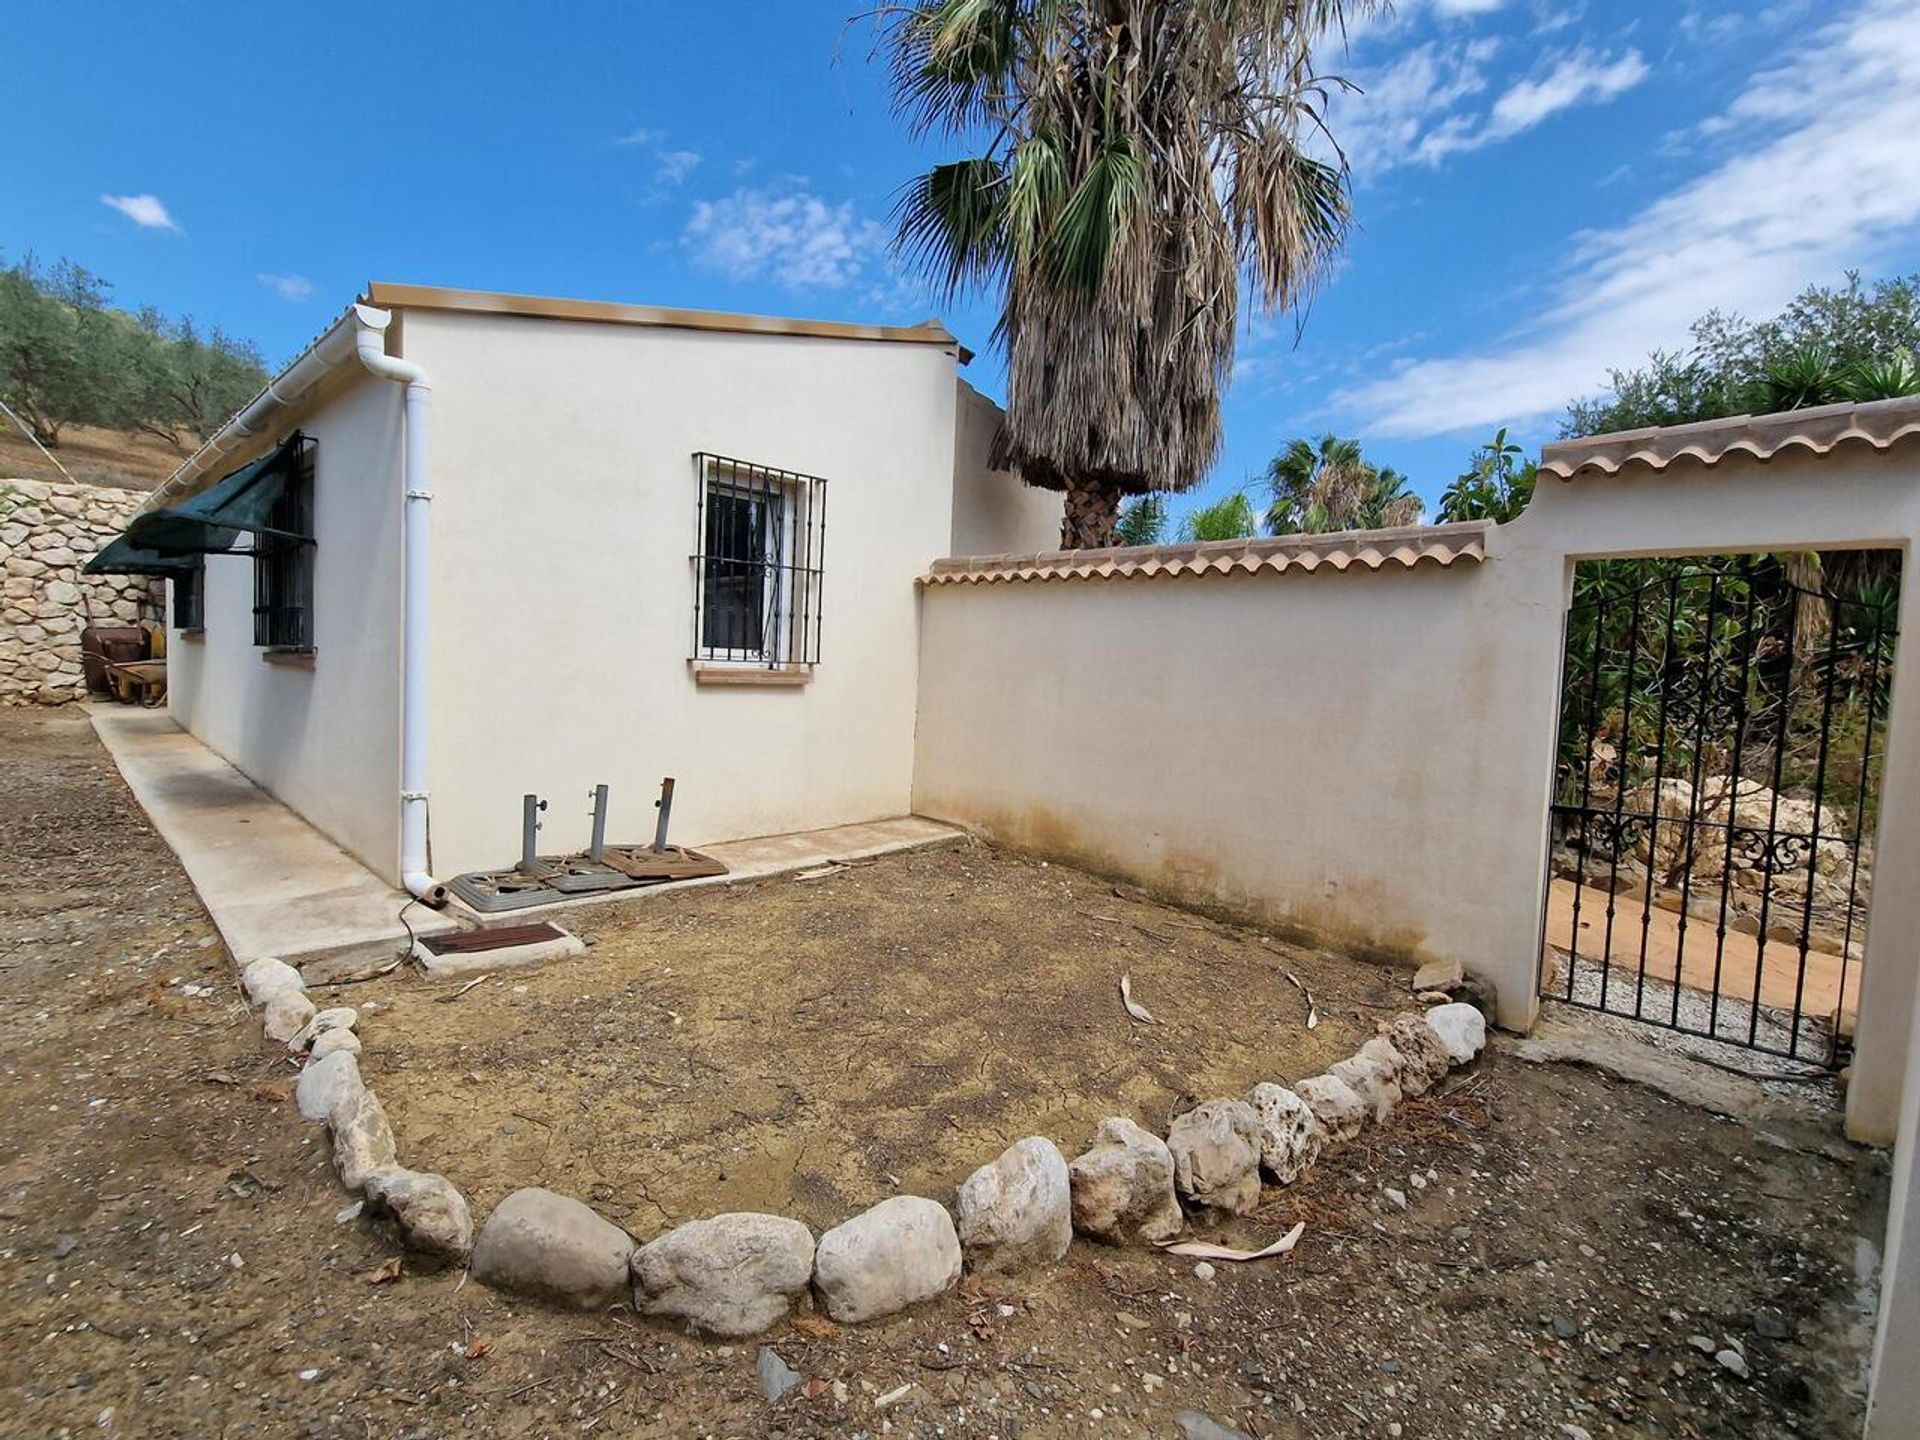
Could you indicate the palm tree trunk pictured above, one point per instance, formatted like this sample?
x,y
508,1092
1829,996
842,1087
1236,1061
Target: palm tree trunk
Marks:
x,y
1092,512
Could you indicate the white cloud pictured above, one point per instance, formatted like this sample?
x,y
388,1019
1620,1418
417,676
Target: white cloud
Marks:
x,y
1576,79
642,136
146,211
287,287
1831,175
790,236
675,165
1385,126
1454,8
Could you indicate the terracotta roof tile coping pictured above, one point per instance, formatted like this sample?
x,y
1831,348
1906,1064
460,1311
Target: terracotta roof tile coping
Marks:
x,y
1818,430
1405,547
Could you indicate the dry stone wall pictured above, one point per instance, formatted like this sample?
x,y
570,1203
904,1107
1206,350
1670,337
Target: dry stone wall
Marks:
x,y
47,532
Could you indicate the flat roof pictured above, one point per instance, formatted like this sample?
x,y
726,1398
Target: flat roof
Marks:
x,y
389,296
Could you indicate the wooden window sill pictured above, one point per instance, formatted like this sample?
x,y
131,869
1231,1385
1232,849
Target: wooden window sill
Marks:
x,y
299,657
784,676
192,632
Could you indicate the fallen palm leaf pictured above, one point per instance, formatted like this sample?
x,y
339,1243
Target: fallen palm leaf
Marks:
x,y
1134,1007
448,999
1313,1011
1206,1250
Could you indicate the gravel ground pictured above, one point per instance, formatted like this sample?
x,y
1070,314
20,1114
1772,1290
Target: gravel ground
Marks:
x,y
1573,1255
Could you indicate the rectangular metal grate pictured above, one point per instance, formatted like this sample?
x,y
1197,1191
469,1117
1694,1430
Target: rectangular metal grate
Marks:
x,y
475,942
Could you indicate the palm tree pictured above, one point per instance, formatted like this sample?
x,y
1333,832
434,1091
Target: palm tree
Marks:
x,y
1331,486
1230,519
1140,158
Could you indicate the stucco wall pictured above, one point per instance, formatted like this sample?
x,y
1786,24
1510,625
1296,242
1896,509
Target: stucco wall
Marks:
x,y
48,531
994,512
1367,755
563,589
324,736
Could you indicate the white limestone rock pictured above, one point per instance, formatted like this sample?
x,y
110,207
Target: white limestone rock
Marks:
x,y
537,1242
335,1040
334,1017
1122,1187
1421,1047
1372,1080
900,1252
431,1214
731,1275
362,1138
288,1013
1216,1155
1342,1113
1409,1077
332,1080
1290,1136
1461,1028
1017,1211
263,979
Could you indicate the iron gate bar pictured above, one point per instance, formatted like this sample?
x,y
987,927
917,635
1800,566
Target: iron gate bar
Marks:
x,y
1748,675
1860,808
1659,760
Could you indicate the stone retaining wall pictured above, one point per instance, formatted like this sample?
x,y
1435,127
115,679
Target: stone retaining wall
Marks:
x,y
47,532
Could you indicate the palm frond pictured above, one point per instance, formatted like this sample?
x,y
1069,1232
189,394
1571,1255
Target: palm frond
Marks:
x,y
950,224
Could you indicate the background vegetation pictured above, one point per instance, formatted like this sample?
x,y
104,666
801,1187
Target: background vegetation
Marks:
x,y
69,357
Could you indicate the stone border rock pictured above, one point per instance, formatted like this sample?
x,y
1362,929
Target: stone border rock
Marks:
x,y
737,1275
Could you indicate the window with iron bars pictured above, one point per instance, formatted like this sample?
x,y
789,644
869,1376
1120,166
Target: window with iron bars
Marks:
x,y
190,596
760,535
283,562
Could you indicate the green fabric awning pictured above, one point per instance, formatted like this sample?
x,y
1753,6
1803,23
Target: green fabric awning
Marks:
x,y
239,504
123,557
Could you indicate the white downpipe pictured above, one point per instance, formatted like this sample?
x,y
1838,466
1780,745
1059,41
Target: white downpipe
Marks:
x,y
370,345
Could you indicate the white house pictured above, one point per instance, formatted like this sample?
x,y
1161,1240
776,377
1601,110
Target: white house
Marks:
x,y
489,545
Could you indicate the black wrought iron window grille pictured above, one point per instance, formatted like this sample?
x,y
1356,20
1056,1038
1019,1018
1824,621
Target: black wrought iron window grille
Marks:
x,y
759,541
283,555
190,596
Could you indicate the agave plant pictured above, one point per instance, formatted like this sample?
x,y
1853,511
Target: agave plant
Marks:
x,y
1332,486
1803,377
1140,160
1887,378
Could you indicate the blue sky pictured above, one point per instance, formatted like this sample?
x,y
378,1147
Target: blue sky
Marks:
x,y
1544,188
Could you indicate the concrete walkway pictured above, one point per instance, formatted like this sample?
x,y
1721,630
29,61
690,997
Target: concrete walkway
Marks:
x,y
272,883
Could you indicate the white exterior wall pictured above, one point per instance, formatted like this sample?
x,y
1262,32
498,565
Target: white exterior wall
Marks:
x,y
563,589
1368,755
324,739
994,511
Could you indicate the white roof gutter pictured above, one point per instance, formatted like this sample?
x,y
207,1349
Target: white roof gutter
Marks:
x,y
262,414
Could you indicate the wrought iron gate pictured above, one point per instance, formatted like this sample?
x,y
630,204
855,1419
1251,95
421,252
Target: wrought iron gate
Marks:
x,y
1714,794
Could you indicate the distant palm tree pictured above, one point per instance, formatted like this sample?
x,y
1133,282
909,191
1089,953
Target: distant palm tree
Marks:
x,y
1142,158
1331,486
1230,519
1143,521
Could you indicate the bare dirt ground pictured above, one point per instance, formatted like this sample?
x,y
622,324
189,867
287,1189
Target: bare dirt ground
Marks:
x,y
171,1265
124,458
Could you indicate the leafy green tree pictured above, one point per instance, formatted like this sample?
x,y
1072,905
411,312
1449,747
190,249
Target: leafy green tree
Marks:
x,y
1138,164
1230,519
1496,485
1328,486
182,380
1143,520
62,360
68,358
1853,342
